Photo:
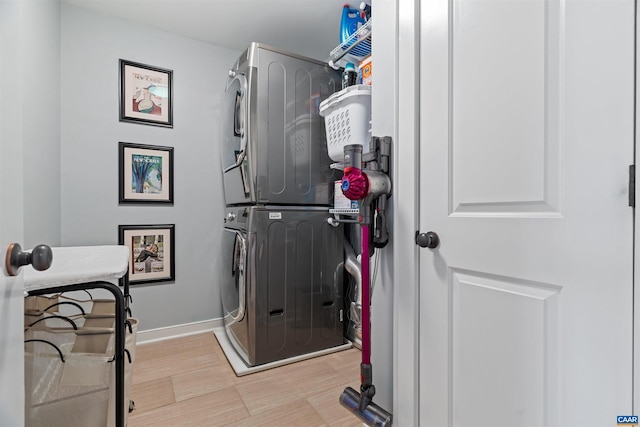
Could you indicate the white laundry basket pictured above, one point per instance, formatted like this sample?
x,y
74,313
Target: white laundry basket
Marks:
x,y
347,119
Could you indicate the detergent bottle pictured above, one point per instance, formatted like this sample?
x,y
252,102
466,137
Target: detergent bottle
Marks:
x,y
349,76
351,21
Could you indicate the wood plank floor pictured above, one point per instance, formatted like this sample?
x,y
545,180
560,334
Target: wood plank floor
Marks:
x,y
188,382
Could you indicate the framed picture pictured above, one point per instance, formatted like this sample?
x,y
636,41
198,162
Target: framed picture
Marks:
x,y
146,94
152,249
145,173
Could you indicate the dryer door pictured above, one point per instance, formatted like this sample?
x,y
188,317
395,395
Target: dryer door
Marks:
x,y
234,279
235,138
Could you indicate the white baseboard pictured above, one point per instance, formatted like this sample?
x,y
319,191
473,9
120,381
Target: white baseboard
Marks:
x,y
161,334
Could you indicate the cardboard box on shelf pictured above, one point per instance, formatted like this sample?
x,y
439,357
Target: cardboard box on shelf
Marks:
x,y
366,70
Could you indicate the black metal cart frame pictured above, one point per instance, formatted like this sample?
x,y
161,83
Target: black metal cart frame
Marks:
x,y
121,308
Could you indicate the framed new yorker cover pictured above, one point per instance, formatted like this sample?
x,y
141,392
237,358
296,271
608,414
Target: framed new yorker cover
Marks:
x,y
145,173
152,252
146,94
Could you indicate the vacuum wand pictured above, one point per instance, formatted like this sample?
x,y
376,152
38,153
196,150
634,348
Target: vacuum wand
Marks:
x,y
361,404
366,305
356,185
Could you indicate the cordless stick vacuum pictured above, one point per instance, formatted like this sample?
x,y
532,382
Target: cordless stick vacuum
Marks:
x,y
365,187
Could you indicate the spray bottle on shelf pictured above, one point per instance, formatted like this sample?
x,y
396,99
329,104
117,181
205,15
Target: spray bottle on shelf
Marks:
x,y
365,11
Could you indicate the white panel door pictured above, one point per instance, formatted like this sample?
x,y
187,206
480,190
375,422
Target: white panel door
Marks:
x,y
11,218
526,136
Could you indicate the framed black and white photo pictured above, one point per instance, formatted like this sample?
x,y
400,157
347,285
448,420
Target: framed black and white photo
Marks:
x,y
146,94
152,252
145,173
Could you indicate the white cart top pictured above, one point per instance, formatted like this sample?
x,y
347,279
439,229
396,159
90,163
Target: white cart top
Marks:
x,y
79,264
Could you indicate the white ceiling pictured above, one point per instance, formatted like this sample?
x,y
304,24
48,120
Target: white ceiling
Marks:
x,y
305,27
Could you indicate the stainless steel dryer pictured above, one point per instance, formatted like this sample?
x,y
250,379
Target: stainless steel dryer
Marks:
x,y
273,145
281,282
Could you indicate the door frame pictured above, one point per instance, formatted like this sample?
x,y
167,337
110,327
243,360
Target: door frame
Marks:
x,y
406,254
636,238
13,16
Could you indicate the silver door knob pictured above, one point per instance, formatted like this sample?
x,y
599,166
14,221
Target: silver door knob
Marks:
x,y
40,258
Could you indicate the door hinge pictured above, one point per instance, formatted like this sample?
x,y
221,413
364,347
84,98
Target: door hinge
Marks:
x,y
632,186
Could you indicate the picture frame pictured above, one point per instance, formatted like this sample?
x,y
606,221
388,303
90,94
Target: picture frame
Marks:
x,y
152,252
145,174
146,94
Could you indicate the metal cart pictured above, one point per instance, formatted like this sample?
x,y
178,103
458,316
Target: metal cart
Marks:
x,y
86,268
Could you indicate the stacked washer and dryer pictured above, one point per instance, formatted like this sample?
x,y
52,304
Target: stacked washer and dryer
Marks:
x,y
282,269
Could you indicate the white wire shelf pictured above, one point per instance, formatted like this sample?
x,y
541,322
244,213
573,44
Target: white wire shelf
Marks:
x,y
357,46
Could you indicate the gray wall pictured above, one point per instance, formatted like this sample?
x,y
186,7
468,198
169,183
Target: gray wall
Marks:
x,y
41,130
92,45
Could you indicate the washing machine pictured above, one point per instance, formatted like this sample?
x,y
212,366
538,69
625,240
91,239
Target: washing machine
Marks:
x,y
281,282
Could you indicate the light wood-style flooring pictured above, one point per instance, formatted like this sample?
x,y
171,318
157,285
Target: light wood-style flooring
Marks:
x,y
188,382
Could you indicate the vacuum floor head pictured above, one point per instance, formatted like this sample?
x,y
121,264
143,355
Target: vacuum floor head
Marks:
x,y
372,415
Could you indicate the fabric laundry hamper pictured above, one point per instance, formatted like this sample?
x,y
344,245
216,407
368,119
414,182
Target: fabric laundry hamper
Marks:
x,y
130,358
63,387
53,303
69,375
